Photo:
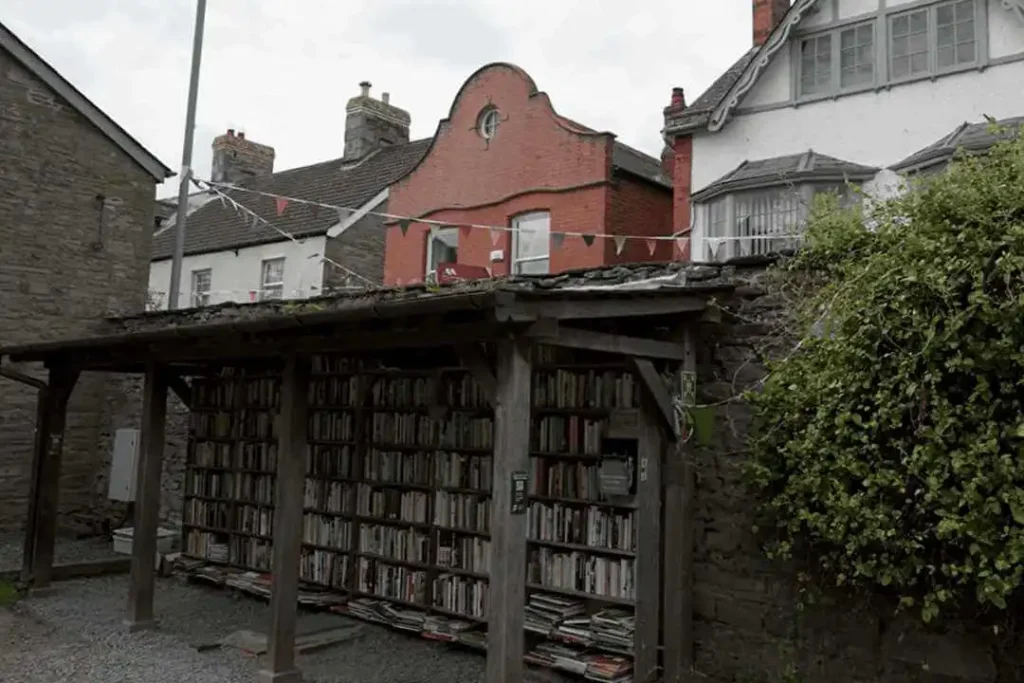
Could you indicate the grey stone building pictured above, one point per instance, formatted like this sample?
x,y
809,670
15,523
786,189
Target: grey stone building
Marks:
x,y
76,221
230,256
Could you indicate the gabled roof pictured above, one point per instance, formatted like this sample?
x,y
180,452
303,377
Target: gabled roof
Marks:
x,y
697,114
38,66
809,166
216,227
971,137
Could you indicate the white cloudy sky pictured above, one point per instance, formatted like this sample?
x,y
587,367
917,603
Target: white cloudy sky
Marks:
x,y
282,70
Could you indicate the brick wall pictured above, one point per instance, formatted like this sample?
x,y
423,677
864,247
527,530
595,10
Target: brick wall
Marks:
x,y
76,216
748,626
638,208
682,186
537,160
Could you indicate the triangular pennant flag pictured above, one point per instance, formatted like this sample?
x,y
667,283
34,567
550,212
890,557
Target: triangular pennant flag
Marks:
x,y
713,244
282,204
620,244
681,244
464,231
557,238
403,225
495,236
651,246
587,239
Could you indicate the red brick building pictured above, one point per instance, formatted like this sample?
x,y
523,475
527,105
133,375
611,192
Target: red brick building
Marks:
x,y
504,157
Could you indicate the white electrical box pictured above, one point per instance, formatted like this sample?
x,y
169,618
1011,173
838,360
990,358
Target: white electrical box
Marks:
x,y
497,255
124,464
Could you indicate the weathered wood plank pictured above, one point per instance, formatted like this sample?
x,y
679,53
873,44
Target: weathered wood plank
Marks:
x,y
38,457
648,546
507,587
577,338
12,374
147,500
655,388
279,666
680,488
636,306
50,449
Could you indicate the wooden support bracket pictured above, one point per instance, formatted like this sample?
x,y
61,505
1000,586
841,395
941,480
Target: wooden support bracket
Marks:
x,y
655,388
13,374
181,389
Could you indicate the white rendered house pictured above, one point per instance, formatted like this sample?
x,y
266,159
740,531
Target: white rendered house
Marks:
x,y
835,92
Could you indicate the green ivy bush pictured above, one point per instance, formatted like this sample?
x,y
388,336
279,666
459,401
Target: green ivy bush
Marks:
x,y
890,445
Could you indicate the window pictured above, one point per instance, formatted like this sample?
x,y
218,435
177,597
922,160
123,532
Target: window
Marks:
x,y
201,287
933,39
272,279
442,247
838,60
487,123
531,244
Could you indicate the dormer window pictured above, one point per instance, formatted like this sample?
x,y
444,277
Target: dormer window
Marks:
x,y
487,123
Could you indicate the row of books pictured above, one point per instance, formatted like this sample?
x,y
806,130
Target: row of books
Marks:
x,y
593,526
253,519
582,572
469,553
212,393
327,530
462,511
389,503
399,543
331,461
207,513
391,581
608,389
576,660
398,466
328,496
458,430
324,567
402,392
210,484
338,392
462,595
256,488
568,434
262,393
331,425
458,470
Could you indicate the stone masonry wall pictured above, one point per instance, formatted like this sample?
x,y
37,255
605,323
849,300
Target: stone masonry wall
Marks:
x,y
76,217
748,627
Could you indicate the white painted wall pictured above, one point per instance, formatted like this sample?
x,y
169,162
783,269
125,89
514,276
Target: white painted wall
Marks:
x,y
234,274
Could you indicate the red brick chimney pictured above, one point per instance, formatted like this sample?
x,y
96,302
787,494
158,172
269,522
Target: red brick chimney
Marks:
x,y
767,15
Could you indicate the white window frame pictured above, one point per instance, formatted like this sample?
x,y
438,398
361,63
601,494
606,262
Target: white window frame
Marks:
x,y
273,289
201,297
437,234
487,123
515,260
882,54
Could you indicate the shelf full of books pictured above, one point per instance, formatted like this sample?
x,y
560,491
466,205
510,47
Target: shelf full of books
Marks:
x,y
397,498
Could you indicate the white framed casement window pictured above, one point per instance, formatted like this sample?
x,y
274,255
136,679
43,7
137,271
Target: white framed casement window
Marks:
x,y
272,279
201,280
531,243
836,61
935,39
442,247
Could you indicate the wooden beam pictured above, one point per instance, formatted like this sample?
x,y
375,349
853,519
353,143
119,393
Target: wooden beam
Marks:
x,y
279,666
13,374
680,488
655,390
578,338
473,358
624,307
181,389
49,452
38,457
648,548
507,586
147,502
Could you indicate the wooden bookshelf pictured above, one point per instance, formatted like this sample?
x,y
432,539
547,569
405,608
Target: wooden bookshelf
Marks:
x,y
399,471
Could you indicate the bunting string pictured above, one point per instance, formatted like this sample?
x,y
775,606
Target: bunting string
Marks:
x,y
256,220
282,202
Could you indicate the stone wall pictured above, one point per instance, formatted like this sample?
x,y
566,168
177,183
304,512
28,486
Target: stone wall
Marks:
x,y
748,624
76,215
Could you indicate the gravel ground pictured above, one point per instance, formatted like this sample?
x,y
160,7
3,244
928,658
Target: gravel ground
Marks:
x,y
66,550
76,633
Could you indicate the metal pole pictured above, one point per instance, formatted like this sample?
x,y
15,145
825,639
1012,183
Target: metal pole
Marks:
x,y
186,158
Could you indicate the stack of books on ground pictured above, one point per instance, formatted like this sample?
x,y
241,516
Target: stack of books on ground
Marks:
x,y
315,596
474,639
575,631
545,611
250,582
608,669
403,618
558,656
440,627
612,629
367,609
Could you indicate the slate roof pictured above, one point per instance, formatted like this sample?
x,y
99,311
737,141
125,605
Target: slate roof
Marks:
x,y
779,170
971,137
639,164
696,115
215,227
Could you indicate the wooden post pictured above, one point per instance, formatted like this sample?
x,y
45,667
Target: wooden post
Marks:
x,y
680,488
38,457
49,447
507,587
279,665
648,547
147,502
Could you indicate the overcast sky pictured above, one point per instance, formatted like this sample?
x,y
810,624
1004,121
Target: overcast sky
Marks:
x,y
282,70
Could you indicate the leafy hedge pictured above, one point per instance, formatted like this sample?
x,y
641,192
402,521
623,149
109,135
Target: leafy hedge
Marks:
x,y
891,440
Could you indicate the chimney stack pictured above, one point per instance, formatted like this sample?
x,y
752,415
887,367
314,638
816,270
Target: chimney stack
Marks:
x,y
371,124
767,15
236,159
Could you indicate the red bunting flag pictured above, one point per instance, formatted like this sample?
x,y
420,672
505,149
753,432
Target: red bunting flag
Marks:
x,y
282,204
681,244
464,231
651,246
495,236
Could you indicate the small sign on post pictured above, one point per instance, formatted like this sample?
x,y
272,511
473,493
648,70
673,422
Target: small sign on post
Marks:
x,y
519,493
